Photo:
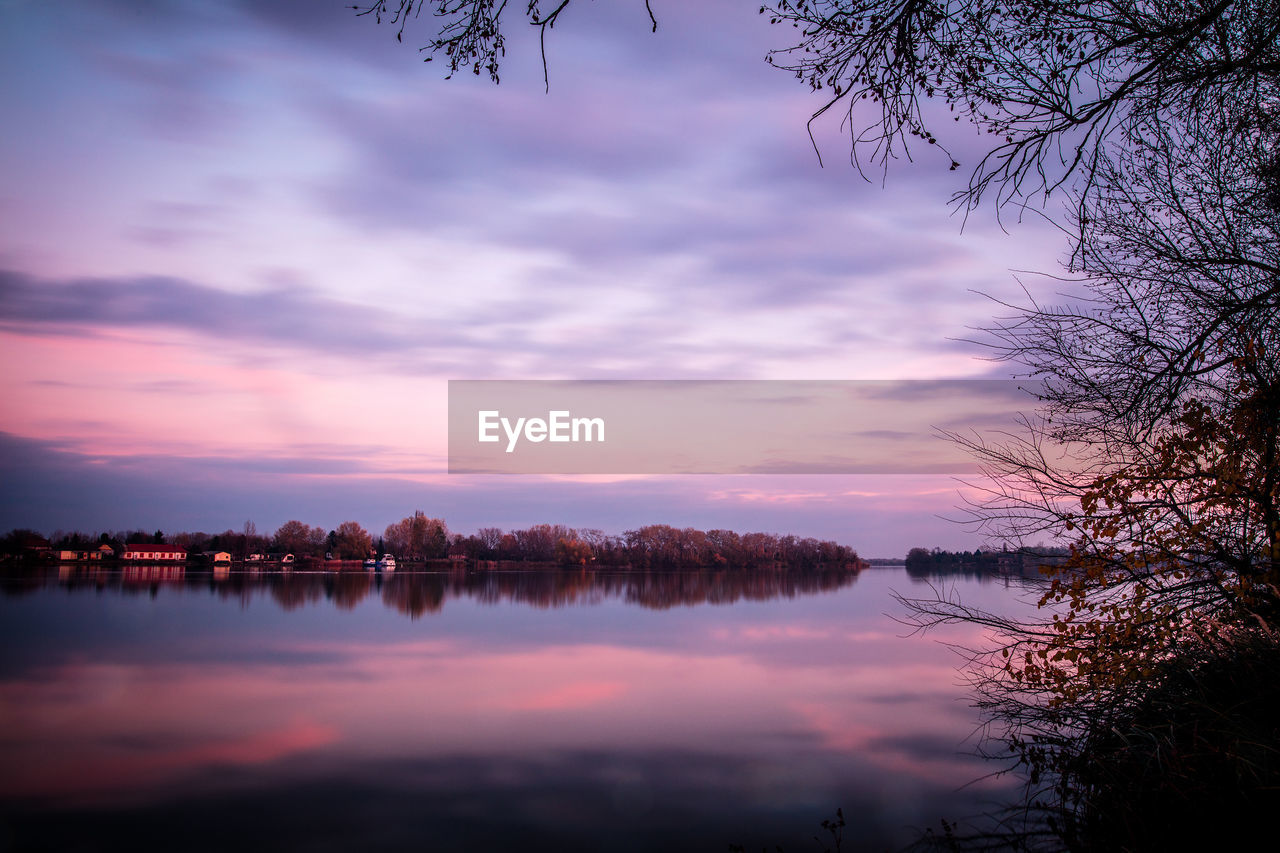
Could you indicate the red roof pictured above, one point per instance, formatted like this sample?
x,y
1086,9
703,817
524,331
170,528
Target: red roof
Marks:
x,y
155,549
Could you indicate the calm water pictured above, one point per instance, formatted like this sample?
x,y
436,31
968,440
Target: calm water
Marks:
x,y
515,711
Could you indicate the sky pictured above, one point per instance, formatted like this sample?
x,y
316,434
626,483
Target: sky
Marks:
x,y
244,246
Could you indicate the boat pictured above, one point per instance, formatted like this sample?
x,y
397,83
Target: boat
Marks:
x,y
371,563
387,563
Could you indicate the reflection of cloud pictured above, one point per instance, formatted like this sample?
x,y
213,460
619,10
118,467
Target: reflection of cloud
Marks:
x,y
770,633
837,729
560,723
642,800
180,718
134,760
922,754
580,695
298,736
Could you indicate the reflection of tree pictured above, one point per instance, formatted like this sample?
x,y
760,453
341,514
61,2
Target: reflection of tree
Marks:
x,y
350,588
291,590
655,590
414,593
23,582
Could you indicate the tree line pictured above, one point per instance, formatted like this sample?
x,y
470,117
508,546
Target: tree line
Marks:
x,y
1027,561
419,538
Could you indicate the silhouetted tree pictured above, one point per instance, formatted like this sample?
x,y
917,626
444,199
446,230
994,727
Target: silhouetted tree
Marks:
x,y
1156,454
418,536
297,538
352,542
572,552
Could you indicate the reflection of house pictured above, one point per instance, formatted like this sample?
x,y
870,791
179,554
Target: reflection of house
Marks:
x,y
154,554
138,573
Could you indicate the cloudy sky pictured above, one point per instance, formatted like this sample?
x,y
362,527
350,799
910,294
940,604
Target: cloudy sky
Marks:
x,y
246,244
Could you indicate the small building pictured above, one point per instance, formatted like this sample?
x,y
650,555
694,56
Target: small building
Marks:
x,y
82,555
32,544
217,557
154,554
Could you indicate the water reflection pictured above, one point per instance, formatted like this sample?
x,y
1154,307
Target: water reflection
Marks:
x,y
419,593
525,711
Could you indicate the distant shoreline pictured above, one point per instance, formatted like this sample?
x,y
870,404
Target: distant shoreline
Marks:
x,y
434,566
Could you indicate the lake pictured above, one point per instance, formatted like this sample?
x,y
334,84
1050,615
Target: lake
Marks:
x,y
566,711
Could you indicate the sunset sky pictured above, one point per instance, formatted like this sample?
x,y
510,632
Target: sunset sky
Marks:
x,y
245,245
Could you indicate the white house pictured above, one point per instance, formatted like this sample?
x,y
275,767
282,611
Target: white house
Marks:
x,y
154,554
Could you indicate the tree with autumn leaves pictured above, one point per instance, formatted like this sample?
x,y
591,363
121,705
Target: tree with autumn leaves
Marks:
x,y
1140,705
418,537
